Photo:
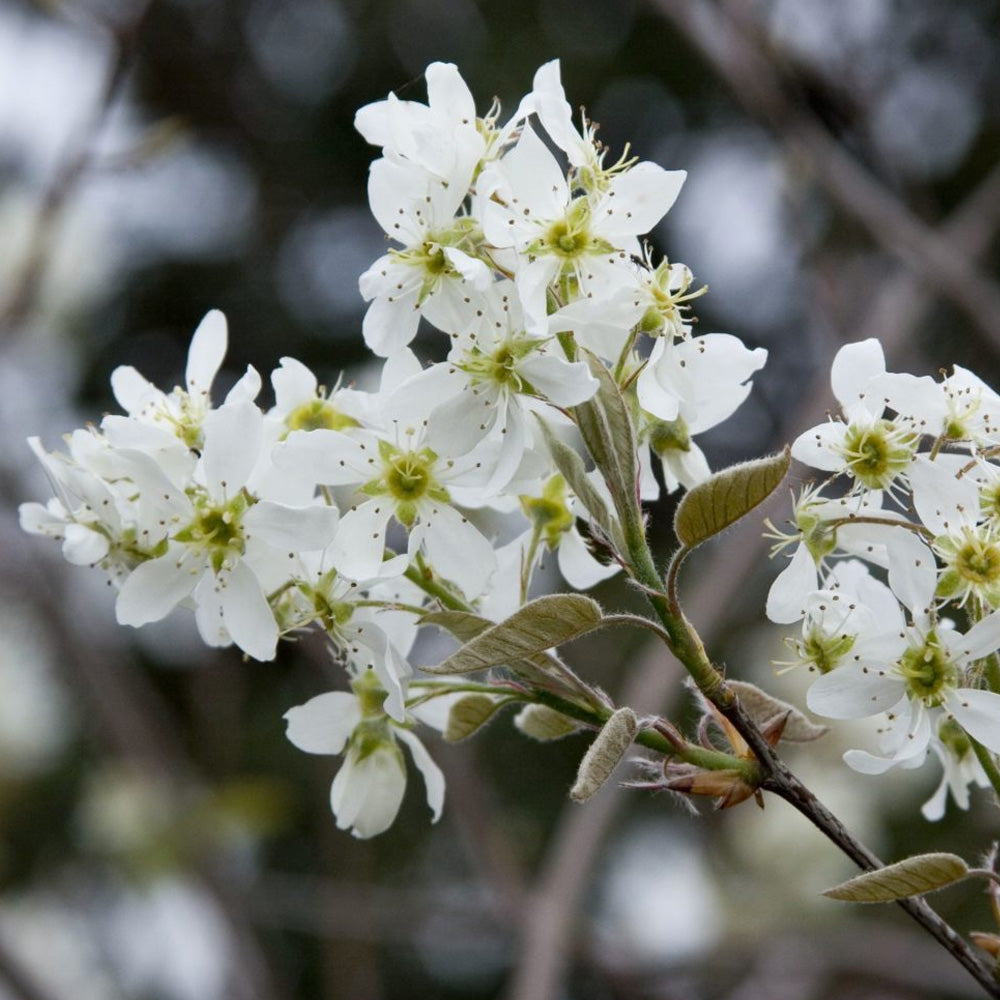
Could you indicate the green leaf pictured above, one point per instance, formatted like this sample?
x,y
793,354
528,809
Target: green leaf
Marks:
x,y
540,668
606,428
572,467
764,708
545,724
604,754
468,715
712,506
532,629
911,877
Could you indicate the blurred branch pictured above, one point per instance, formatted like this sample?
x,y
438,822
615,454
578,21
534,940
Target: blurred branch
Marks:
x,y
129,717
738,60
69,174
548,923
15,982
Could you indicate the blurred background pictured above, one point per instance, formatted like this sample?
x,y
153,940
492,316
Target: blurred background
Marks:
x,y
159,837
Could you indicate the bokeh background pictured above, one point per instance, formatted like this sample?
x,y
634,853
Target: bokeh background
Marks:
x,y
159,838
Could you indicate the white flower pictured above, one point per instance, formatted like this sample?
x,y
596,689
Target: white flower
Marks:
x,y
873,451
528,205
495,377
437,269
960,408
961,768
924,678
225,546
406,481
368,790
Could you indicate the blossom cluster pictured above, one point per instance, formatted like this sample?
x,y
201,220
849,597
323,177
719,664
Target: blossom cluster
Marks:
x,y
895,573
357,512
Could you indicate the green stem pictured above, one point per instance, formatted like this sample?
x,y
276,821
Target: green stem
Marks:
x,y
434,588
989,764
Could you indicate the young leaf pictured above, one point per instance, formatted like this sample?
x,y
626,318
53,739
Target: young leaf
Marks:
x,y
722,499
570,464
763,708
545,724
532,629
468,715
910,877
604,754
606,428
539,668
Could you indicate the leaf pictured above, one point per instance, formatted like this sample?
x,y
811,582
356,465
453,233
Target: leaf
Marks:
x,y
722,499
545,724
604,754
910,877
606,428
571,465
532,629
764,708
468,715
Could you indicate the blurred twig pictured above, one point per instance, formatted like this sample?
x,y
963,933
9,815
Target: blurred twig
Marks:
x,y
69,174
738,60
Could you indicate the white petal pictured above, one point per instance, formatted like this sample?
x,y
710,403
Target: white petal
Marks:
x,y
637,200
390,324
558,380
298,529
457,550
247,614
978,713
433,777
360,543
786,600
853,368
233,437
293,384
578,567
208,348
366,795
848,692
83,546
912,569
153,589
324,723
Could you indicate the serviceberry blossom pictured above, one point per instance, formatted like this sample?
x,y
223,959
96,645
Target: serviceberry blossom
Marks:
x,y
368,790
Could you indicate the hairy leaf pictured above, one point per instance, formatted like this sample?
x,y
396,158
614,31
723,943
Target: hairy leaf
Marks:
x,y
532,629
711,506
764,708
571,465
604,754
606,428
468,715
910,877
545,724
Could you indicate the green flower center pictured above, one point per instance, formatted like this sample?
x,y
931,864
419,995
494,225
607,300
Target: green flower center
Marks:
x,y
216,529
877,453
318,414
823,651
927,670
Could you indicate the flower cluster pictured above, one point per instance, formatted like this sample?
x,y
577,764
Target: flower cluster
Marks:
x,y
357,513
895,574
